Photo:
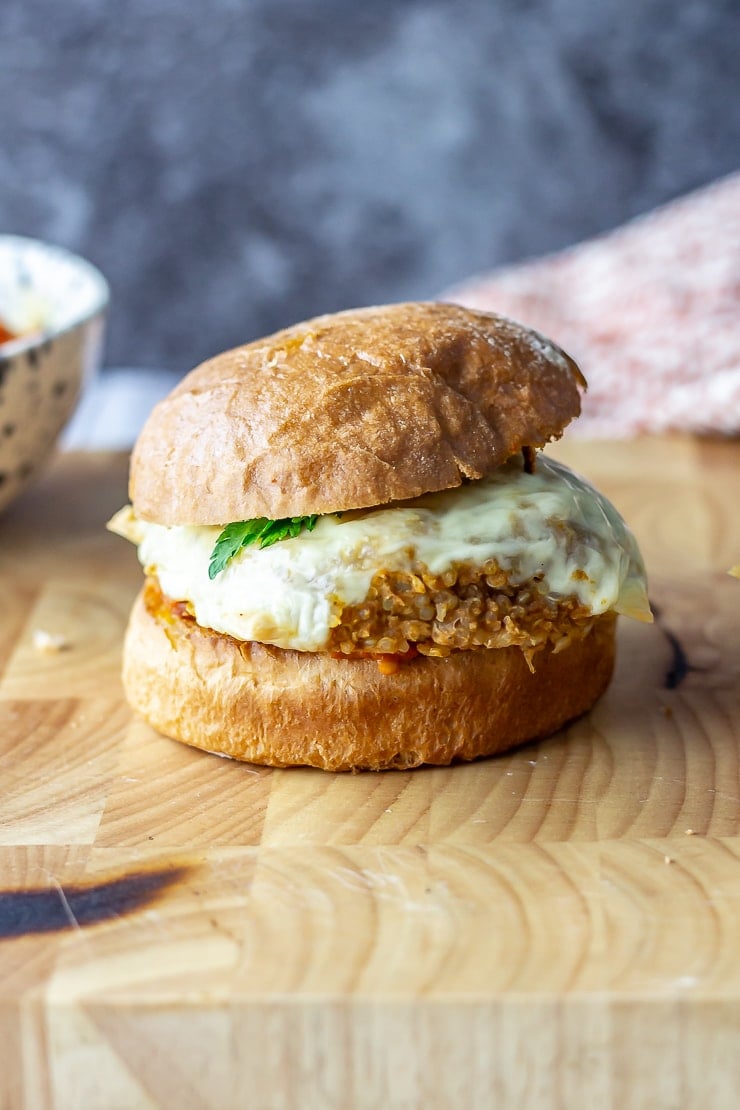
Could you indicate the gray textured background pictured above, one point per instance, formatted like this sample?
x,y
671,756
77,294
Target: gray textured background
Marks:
x,y
236,165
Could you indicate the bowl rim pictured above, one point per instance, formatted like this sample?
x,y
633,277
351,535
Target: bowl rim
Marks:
x,y
13,347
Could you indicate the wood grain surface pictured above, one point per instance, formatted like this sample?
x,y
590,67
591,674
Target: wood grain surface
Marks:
x,y
558,927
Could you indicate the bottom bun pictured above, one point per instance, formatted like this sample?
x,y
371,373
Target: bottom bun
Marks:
x,y
266,705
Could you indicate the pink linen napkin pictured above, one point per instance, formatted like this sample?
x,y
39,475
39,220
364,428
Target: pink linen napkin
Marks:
x,y
651,312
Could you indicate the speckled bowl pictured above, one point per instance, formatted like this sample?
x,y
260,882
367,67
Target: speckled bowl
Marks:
x,y
59,301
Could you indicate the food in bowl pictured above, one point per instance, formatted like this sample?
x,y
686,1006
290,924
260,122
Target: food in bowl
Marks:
x,y
357,557
6,334
52,308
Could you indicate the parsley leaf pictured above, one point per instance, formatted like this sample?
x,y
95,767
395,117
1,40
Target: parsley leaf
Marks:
x,y
242,533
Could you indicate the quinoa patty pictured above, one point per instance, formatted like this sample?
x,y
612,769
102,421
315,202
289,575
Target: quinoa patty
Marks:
x,y
463,609
466,608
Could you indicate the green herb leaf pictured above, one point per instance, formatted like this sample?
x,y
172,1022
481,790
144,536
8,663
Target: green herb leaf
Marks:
x,y
242,533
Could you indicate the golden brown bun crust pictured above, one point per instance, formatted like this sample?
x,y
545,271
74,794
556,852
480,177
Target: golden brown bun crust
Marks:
x,y
350,410
266,705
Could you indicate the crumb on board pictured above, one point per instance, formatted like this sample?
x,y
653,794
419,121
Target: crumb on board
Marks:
x,y
690,832
49,643
668,859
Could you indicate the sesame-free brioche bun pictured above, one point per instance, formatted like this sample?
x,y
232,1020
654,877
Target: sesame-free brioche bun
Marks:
x,y
404,399
266,705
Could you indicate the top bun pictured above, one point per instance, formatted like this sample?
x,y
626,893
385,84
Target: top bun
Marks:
x,y
348,411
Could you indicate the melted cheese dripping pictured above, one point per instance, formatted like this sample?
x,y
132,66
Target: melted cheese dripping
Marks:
x,y
551,527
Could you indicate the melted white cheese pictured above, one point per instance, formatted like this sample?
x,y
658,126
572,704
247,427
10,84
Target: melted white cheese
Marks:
x,y
550,526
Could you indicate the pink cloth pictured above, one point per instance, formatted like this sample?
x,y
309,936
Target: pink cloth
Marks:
x,y
651,312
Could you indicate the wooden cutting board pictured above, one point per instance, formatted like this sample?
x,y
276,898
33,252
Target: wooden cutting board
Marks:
x,y
559,927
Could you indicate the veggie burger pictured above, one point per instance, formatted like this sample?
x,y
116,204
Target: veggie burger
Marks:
x,y
357,558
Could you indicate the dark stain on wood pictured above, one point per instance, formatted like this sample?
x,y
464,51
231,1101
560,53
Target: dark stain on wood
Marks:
x,y
680,667
76,906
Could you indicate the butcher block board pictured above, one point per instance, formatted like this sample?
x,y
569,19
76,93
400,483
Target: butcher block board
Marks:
x,y
558,927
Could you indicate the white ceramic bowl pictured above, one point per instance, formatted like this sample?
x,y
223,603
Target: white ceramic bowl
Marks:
x,y
55,302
